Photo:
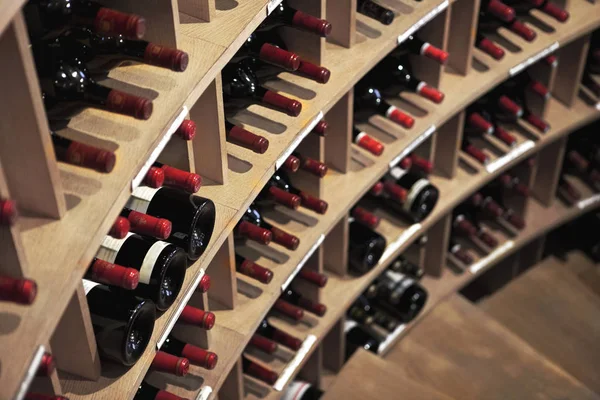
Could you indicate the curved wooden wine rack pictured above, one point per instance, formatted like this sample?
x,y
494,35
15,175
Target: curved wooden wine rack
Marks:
x,y
56,251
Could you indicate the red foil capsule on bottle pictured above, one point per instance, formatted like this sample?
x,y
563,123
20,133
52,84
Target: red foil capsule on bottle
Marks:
x,y
315,72
161,56
522,30
504,136
539,89
113,274
368,143
187,130
510,107
403,119
477,154
261,373
377,189
501,10
282,58
181,179
480,124
435,53
285,198
247,139
311,23
422,163
47,365
200,357
8,212
313,203
292,164
369,219
491,49
313,166
537,122
120,228
463,256
128,104
148,225
195,316
254,232
430,93
285,239
296,313
515,220
204,284
111,22
155,177
464,226
395,191
555,11
290,106
321,128
286,340
90,157
313,277
312,307
255,271
262,343
165,362
20,291
488,239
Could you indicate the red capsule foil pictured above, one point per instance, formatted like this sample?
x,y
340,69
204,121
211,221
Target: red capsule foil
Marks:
x,y
128,104
464,226
286,340
488,239
263,344
254,232
521,189
21,291
377,189
312,307
515,220
282,58
161,56
120,228
148,225
422,163
476,199
434,53
504,136
321,128
285,198
510,107
288,309
109,21
522,30
290,106
313,203
315,72
477,154
560,14
492,208
261,373
292,164
164,395
47,365
430,93
248,140
578,161
200,357
366,217
536,3
463,256
313,277
113,274
405,120
491,49
539,89
8,212
181,179
395,191
165,362
195,316
501,10
315,167
255,271
570,190
155,177
480,124
90,157
405,163
283,238
551,60
537,122
204,284
370,144
187,130
312,24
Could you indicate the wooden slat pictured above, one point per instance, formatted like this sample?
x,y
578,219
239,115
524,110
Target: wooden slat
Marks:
x,y
336,248
334,347
337,143
233,387
201,9
570,70
311,372
342,15
549,163
436,247
463,26
447,145
223,275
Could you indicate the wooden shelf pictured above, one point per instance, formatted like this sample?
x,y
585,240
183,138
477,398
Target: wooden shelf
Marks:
x,y
8,9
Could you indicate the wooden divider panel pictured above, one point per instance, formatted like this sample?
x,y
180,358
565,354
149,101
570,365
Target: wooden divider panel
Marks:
x,y
342,15
73,341
461,39
314,263
335,248
312,146
546,74
570,70
201,9
334,347
312,370
447,145
233,387
30,166
549,161
531,254
337,142
436,247
308,45
223,275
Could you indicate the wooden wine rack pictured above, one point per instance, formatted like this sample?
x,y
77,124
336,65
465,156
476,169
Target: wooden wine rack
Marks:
x,y
67,211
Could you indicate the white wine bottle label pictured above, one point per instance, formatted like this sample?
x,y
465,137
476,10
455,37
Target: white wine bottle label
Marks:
x,y
88,285
398,172
349,324
150,260
413,193
394,276
140,198
296,390
110,248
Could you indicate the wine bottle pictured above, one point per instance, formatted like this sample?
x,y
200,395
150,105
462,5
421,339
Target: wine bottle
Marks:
x,y
280,189
196,355
517,87
368,100
363,312
259,372
358,336
147,225
47,365
192,217
494,14
43,16
288,309
375,11
170,364
567,192
154,178
245,229
545,6
312,166
149,392
415,46
8,212
119,228
197,317
420,163
490,208
180,179
241,88
421,196
41,396
396,75
291,164
474,152
258,46
497,9
405,267
83,155
263,344
253,270
161,265
284,15
464,225
483,117
576,164
204,284
513,184
313,277
270,332
321,128
245,138
300,390
187,130
399,295
365,217
112,274
123,323
456,250
265,71
363,140
365,248
297,299
487,46
17,290
254,217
